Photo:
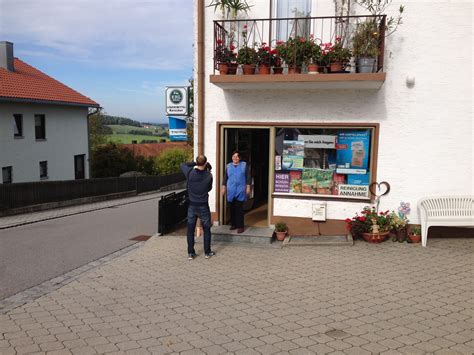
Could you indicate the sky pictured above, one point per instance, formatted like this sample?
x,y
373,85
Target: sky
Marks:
x,y
120,53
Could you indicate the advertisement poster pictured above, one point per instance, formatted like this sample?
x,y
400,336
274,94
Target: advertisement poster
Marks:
x,y
177,129
314,179
318,141
282,182
277,162
293,155
295,181
353,152
354,190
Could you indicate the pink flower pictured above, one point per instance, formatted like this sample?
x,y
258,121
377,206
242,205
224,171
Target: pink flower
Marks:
x,y
302,39
279,42
219,41
245,27
338,39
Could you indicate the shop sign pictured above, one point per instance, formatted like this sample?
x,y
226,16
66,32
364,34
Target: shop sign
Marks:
x,y
282,182
177,129
354,190
177,101
318,141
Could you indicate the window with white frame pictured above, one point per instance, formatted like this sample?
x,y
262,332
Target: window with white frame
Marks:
x,y
43,166
40,127
18,126
293,9
7,175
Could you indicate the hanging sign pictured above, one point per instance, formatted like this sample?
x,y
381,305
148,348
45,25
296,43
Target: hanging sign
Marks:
x,y
177,129
177,102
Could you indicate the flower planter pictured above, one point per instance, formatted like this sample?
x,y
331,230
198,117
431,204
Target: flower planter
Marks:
x,y
263,69
232,69
223,68
365,65
294,70
402,235
336,67
313,69
280,235
375,238
248,69
414,238
277,70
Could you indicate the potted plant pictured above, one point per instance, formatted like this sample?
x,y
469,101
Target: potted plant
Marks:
x,y
225,57
398,223
247,57
230,8
265,59
338,56
295,53
365,46
371,225
415,234
280,230
314,56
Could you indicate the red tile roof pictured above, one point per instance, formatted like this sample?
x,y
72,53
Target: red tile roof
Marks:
x,y
155,149
28,83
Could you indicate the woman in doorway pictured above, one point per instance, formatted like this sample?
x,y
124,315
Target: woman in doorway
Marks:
x,y
236,185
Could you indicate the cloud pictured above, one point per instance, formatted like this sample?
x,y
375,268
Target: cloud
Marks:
x,y
134,34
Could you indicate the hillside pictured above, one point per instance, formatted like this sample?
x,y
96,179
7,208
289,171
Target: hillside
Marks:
x,y
125,134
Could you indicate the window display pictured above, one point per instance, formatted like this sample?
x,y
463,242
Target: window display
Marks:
x,y
323,161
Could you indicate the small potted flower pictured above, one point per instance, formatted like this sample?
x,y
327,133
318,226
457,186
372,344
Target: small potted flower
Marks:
x,y
314,56
398,223
280,230
415,234
337,55
295,53
225,58
365,45
373,226
247,55
265,59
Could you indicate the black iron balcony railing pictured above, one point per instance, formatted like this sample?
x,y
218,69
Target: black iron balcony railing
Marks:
x,y
291,42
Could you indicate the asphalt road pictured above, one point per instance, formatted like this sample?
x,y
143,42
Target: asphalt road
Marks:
x,y
34,253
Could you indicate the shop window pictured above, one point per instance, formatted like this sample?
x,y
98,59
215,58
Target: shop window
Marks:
x,y
18,126
7,177
325,161
40,127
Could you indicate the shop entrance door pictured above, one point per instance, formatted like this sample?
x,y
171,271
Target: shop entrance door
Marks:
x,y
253,145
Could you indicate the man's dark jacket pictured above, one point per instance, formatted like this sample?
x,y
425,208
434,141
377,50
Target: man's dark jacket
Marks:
x,y
199,184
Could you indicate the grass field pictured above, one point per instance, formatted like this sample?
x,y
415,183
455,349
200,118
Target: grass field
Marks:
x,y
121,134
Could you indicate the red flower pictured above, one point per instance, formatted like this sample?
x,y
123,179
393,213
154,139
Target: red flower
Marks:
x,y
280,42
348,220
231,47
362,219
338,39
219,41
245,27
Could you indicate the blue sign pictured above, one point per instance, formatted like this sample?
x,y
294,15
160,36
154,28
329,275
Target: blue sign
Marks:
x,y
177,129
352,155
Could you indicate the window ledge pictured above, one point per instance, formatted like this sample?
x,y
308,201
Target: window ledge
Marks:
x,y
369,81
41,139
44,177
319,196
18,137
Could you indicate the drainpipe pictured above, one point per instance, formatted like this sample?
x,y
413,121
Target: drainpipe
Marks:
x,y
200,75
97,110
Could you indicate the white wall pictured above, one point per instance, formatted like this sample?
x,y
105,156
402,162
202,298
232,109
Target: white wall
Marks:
x,y
426,135
66,136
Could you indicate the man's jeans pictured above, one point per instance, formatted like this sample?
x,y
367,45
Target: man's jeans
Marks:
x,y
204,214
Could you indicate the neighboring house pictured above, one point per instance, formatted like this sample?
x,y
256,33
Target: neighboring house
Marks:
x,y
43,124
155,149
325,138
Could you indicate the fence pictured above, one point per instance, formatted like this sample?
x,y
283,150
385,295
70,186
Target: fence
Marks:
x,y
172,210
34,193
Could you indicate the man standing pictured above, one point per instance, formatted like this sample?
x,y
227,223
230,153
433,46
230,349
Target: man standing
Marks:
x,y
199,178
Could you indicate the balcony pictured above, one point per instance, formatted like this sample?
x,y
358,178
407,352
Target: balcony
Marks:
x,y
269,44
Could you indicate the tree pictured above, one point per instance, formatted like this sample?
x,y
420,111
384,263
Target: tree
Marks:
x,y
170,160
97,130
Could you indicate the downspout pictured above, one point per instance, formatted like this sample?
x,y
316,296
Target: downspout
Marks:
x,y
200,75
97,110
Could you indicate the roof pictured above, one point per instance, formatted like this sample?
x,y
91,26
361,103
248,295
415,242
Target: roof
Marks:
x,y
27,83
154,149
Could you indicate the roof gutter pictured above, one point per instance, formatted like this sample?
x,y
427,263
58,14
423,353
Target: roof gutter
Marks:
x,y
200,75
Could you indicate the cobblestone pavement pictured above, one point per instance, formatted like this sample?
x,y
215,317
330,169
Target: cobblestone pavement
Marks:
x,y
386,299
26,218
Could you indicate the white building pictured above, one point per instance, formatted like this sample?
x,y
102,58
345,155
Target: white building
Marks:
x,y
43,124
409,123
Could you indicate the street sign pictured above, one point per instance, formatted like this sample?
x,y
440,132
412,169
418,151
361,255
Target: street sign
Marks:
x,y
177,102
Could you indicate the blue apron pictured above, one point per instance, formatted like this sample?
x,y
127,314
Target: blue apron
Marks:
x,y
236,183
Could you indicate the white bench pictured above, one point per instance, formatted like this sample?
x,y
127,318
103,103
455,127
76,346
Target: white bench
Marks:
x,y
446,211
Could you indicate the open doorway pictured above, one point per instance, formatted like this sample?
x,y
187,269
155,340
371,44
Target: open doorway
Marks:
x,y
253,145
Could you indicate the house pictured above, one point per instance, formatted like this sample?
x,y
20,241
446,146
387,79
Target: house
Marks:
x,y
43,124
320,142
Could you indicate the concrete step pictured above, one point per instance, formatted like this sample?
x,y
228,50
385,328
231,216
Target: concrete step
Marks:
x,y
254,235
321,240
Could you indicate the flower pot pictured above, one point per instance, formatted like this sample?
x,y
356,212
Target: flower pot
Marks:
x,y
280,235
294,70
263,69
277,70
375,237
402,235
336,67
223,68
232,69
313,69
366,65
248,69
414,238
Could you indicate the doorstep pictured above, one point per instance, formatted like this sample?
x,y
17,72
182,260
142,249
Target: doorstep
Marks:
x,y
321,240
253,235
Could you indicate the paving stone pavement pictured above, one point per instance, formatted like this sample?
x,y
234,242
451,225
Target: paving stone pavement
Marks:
x,y
390,298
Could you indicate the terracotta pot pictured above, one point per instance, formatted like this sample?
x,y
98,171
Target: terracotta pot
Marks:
x,y
313,69
277,70
232,69
336,67
294,70
375,238
414,238
264,69
280,235
248,69
223,68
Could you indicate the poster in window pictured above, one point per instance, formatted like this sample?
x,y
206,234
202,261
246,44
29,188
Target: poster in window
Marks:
x,y
354,190
282,182
293,155
295,181
353,152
